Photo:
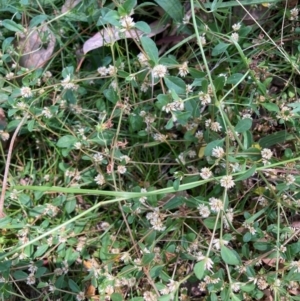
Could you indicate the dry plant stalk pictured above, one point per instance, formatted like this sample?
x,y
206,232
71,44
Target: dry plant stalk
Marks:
x,y
11,146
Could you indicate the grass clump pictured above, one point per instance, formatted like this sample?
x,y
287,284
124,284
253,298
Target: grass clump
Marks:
x,y
150,151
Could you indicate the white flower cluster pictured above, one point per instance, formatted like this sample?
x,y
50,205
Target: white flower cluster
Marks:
x,y
109,71
156,220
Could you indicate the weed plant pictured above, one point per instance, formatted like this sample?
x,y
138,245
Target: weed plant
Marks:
x,y
155,166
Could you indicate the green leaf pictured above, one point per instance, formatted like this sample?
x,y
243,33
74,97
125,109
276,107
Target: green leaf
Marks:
x,y
129,5
71,256
173,8
66,141
30,125
209,147
247,174
169,124
116,297
109,17
234,78
162,100
176,184
271,107
143,26
18,275
70,205
230,256
40,251
40,272
176,84
37,20
147,258
219,49
199,269
210,223
263,246
219,83
243,125
278,137
111,95
248,287
73,286
150,49
12,26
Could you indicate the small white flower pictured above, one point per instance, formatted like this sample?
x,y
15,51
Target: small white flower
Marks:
x,y
143,60
290,179
30,279
80,296
77,145
143,199
4,135
235,287
235,36
208,263
266,153
294,13
191,154
236,26
127,23
26,92
9,75
47,113
218,152
189,89
216,205
227,182
121,169
202,40
215,126
102,71
99,179
218,243
205,173
204,98
203,210
112,70
183,69
159,71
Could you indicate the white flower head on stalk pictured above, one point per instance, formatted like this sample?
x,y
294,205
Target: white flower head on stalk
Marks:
x,y
216,205
205,173
143,60
227,182
215,126
203,210
235,37
127,23
294,14
236,26
218,152
183,69
159,71
26,92
266,154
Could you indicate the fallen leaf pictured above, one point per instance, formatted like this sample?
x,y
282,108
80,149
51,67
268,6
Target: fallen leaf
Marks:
x,y
111,34
33,50
69,4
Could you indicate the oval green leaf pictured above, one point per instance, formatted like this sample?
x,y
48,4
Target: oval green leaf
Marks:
x,y
230,256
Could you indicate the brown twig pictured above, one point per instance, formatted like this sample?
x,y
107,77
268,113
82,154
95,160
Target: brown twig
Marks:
x,y
4,183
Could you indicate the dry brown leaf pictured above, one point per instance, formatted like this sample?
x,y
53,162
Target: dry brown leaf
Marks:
x,y
35,53
3,121
69,4
111,34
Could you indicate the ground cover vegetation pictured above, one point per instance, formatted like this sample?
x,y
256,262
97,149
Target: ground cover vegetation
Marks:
x,y
150,150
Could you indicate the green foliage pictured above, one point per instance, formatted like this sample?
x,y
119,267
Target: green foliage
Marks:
x,y
163,162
